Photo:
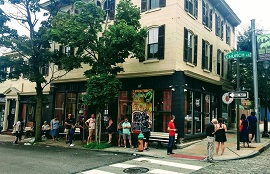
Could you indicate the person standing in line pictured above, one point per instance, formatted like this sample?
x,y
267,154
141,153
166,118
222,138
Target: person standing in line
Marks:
x,y
68,123
45,130
252,128
54,125
71,134
18,128
244,131
109,128
126,133
220,130
82,128
91,124
210,133
171,130
120,132
146,132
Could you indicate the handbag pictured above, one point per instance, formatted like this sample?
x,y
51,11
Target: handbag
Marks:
x,y
241,127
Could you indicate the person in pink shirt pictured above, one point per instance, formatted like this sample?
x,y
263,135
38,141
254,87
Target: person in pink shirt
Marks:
x,y
171,130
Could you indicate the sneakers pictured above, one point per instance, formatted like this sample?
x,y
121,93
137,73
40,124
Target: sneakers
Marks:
x,y
71,145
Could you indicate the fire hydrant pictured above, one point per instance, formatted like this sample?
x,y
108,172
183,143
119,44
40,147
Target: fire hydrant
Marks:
x,y
140,142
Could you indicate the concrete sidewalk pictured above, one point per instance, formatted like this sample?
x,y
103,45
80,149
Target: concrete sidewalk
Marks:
x,y
192,150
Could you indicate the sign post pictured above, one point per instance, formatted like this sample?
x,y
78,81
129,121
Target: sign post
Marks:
x,y
237,55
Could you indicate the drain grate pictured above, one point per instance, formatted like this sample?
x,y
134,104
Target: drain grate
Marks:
x,y
136,170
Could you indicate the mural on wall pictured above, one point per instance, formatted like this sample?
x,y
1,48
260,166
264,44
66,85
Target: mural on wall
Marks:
x,y
263,46
142,105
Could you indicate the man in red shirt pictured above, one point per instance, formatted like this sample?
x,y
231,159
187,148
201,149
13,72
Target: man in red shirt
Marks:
x,y
171,130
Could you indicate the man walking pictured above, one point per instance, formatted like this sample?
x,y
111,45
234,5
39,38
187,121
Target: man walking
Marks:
x,y
210,130
252,128
18,128
172,130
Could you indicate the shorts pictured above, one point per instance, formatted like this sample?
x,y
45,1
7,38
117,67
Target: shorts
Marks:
x,y
126,136
67,131
91,132
146,136
120,132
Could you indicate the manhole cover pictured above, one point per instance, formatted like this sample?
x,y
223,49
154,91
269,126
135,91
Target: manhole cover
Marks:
x,y
136,170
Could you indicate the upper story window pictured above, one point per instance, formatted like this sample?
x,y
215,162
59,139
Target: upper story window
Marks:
x,y
220,62
44,70
190,47
109,8
228,34
3,73
152,4
156,42
207,55
219,26
207,14
191,6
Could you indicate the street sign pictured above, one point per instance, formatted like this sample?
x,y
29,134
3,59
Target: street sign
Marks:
x,y
238,54
226,99
238,94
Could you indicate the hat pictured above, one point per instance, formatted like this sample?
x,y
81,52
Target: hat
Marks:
x,y
82,116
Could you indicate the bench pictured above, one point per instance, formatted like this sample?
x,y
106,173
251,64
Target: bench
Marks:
x,y
161,137
77,132
29,130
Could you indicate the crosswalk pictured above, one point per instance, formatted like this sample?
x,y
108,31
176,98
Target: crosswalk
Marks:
x,y
150,166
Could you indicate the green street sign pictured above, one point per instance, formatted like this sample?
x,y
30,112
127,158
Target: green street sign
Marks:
x,y
238,54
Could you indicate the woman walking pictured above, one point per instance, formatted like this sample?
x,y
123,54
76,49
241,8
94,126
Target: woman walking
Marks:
x,y
54,125
243,129
110,129
220,132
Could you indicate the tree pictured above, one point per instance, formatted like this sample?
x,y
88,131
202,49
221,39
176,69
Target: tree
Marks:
x,y
30,53
102,45
244,42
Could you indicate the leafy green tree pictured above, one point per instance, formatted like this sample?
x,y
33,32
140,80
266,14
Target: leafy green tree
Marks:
x,y
101,45
30,53
244,42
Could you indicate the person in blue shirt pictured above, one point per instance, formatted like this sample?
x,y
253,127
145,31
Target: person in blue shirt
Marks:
x,y
252,125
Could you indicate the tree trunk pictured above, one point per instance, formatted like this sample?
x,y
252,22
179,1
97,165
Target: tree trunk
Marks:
x,y
98,128
39,105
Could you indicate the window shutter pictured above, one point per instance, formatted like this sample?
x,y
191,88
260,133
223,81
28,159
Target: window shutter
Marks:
x,y
71,51
185,44
61,49
162,3
222,64
196,8
161,41
222,29
211,58
203,13
203,54
186,5
216,17
112,9
195,49
210,19
143,5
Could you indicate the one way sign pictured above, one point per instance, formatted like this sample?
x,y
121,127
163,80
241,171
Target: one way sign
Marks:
x,y
238,94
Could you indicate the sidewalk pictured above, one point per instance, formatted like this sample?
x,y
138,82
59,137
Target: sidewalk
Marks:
x,y
191,150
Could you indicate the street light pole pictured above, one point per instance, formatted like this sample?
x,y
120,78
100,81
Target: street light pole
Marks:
x,y
265,132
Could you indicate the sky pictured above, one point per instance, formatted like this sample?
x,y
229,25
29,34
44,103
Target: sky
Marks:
x,y
246,10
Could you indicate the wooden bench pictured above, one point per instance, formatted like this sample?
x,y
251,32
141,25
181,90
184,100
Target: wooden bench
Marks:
x,y
161,137
77,132
29,130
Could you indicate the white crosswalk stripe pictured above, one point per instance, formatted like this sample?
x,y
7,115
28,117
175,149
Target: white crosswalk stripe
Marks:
x,y
155,166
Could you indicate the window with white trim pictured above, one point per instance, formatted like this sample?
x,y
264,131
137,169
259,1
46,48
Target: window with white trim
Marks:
x,y
207,55
228,34
152,4
191,6
190,46
207,14
219,26
156,42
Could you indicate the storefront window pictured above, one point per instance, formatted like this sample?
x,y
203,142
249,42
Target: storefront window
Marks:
x,y
188,112
207,118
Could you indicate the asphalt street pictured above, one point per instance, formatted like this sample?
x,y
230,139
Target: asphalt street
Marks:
x,y
21,159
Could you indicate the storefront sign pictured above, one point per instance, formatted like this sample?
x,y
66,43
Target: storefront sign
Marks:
x,y
197,102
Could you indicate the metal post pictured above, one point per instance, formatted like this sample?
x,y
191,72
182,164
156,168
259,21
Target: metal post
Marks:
x,y
237,104
265,130
255,79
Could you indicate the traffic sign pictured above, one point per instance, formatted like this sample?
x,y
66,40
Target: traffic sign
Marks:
x,y
226,99
238,94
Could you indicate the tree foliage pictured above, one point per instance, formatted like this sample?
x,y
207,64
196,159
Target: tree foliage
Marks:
x,y
31,52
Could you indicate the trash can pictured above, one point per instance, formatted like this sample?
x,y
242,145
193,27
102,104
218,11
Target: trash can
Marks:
x,y
140,142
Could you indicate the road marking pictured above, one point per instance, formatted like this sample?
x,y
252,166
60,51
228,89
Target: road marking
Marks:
x,y
96,172
159,171
173,164
124,166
